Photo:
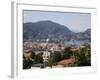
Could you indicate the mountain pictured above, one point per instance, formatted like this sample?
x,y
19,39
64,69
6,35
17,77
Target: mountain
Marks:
x,y
46,29
86,35
88,31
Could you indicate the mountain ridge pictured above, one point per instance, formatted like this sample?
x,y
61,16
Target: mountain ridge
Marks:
x,y
49,29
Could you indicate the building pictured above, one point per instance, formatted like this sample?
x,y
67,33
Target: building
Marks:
x,y
46,56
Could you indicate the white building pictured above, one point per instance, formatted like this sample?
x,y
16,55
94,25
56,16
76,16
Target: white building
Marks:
x,y
46,56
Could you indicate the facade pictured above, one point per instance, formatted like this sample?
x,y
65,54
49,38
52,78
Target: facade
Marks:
x,y
46,56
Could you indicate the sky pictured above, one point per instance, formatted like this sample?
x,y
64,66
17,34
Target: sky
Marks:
x,y
77,22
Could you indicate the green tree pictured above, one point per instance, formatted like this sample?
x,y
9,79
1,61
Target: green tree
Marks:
x,y
50,63
38,58
66,53
32,55
84,56
56,56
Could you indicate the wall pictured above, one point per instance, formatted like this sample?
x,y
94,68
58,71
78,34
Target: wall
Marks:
x,y
5,38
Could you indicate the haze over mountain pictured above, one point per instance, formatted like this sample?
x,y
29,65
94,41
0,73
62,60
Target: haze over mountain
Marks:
x,y
51,30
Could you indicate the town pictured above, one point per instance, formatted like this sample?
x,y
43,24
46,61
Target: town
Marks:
x,y
54,54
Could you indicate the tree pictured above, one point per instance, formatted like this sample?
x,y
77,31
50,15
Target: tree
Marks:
x,y
56,56
27,64
32,55
84,57
50,62
66,53
27,61
38,58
